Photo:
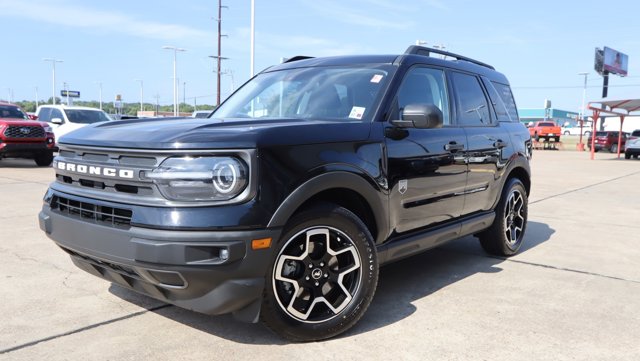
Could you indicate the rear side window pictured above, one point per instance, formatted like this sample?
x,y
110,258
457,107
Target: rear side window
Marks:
x,y
636,133
498,105
507,98
471,102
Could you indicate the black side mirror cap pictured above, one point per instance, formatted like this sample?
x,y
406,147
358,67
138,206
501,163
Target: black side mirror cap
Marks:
x,y
421,116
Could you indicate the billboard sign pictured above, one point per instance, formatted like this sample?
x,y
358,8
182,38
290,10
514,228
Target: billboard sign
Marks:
x,y
615,62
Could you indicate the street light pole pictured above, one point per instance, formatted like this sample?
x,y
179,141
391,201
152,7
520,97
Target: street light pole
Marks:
x,y
584,94
175,79
66,89
184,92
36,98
99,92
253,32
53,64
141,94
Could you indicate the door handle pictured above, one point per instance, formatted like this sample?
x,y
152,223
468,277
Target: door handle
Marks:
x,y
500,144
453,147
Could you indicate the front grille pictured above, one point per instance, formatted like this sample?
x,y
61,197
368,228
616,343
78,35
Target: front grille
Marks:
x,y
115,217
26,131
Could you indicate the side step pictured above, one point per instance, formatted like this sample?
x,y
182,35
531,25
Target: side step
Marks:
x,y
402,247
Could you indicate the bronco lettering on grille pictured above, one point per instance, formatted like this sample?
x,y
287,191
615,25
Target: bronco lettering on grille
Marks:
x,y
94,170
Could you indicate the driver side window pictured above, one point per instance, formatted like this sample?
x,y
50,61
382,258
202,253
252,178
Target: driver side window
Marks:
x,y
424,86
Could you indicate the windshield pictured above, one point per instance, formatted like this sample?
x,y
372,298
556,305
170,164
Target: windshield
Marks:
x,y
86,116
9,111
346,93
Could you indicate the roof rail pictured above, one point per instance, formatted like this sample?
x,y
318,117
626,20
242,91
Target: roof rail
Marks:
x,y
423,50
297,57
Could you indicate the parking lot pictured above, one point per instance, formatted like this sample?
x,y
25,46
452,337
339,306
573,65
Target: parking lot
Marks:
x,y
572,293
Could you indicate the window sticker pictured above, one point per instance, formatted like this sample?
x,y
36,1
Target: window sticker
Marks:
x,y
357,113
376,78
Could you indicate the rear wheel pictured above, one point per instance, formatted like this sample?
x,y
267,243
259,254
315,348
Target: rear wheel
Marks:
x,y
44,159
323,277
505,236
627,156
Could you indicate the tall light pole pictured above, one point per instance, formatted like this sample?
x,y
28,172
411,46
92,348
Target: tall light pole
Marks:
x,y
141,94
584,94
99,92
67,91
36,98
53,64
184,92
253,33
175,79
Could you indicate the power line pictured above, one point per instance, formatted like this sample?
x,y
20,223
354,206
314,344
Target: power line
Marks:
x,y
575,86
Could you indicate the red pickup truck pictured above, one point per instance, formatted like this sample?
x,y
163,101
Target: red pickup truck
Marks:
x,y
21,137
545,130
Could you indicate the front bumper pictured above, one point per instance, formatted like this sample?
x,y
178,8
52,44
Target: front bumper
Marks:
x,y
212,272
23,149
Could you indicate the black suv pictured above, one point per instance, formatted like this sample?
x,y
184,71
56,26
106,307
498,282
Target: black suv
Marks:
x,y
286,201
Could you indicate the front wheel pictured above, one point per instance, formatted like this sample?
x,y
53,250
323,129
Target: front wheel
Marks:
x,y
505,236
44,159
323,276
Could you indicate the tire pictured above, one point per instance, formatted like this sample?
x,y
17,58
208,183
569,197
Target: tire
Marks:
x,y
627,156
587,134
614,148
536,137
505,236
311,294
566,133
44,159
557,139
635,156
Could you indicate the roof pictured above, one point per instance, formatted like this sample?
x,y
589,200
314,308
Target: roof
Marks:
x,y
64,106
618,107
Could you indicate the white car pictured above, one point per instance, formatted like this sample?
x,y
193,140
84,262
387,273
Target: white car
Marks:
x,y
202,113
575,130
64,119
632,146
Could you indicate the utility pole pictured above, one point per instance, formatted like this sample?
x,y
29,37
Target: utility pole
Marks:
x,y
36,98
99,92
219,57
141,94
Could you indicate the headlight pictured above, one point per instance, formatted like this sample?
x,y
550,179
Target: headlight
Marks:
x,y
200,178
48,129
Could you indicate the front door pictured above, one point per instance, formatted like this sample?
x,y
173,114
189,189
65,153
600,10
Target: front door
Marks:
x,y
426,167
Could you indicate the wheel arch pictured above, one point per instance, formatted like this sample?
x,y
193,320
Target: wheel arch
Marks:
x,y
349,190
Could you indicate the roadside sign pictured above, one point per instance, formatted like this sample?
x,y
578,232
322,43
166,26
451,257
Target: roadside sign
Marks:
x,y
70,93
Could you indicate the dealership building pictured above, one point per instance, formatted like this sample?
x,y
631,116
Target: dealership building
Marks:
x,y
560,117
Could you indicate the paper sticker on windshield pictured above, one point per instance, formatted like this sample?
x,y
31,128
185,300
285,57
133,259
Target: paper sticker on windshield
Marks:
x,y
376,78
357,113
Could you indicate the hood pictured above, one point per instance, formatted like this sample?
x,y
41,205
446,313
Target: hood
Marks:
x,y
203,133
20,122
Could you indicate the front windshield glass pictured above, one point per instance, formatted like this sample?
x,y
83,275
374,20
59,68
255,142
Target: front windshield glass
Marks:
x,y
336,93
86,116
9,111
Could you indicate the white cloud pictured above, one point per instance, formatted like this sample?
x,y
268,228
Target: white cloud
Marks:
x,y
108,21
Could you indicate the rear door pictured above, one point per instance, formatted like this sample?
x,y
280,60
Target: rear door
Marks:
x,y
426,167
486,140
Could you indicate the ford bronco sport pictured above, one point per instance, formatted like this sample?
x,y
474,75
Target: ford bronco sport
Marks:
x,y
284,203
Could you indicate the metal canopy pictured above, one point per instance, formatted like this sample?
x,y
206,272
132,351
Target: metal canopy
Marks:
x,y
621,108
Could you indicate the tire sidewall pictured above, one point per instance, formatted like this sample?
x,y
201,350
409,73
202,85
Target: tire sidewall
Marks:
x,y
513,184
344,221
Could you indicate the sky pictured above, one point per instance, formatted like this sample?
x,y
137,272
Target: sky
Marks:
x,y
541,46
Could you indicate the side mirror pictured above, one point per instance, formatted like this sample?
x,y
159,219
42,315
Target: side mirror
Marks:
x,y
32,116
421,116
56,121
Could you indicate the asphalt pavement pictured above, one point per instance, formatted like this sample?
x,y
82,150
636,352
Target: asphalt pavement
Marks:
x,y
573,293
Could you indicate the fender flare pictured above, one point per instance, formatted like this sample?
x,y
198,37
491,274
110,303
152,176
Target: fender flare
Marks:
x,y
355,182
